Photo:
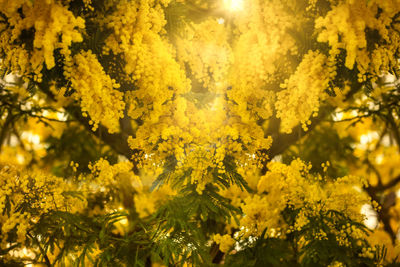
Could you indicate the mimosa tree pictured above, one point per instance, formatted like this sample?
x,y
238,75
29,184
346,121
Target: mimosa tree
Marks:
x,y
199,133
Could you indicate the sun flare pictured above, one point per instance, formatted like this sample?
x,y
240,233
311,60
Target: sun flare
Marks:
x,y
234,5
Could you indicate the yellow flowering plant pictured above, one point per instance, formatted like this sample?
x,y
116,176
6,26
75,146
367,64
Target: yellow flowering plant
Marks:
x,y
199,132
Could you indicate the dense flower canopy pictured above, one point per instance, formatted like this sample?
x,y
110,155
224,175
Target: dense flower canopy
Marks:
x,y
199,132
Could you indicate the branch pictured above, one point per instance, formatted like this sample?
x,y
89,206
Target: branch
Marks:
x,y
375,170
5,127
391,184
281,141
394,128
383,213
118,141
381,187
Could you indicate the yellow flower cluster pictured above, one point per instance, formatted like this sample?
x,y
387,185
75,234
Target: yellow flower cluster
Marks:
x,y
55,27
346,27
25,196
292,186
260,50
97,92
261,43
149,58
368,252
225,242
205,49
342,236
303,92
199,139
106,175
260,213
147,202
337,264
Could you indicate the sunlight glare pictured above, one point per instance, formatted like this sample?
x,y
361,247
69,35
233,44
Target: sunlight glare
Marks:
x,y
234,5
